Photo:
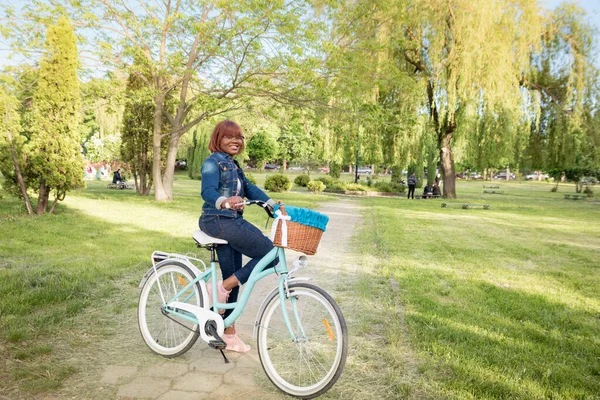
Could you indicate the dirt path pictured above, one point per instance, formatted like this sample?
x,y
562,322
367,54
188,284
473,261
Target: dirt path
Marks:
x,y
115,363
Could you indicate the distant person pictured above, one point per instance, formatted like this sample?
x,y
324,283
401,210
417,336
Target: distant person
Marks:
x,y
436,189
117,176
412,184
428,191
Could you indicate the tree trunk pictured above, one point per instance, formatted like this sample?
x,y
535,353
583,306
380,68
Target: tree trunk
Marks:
x,y
53,206
169,173
160,193
18,175
448,173
447,163
44,193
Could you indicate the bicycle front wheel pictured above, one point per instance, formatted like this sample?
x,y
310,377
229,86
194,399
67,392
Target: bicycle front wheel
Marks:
x,y
168,334
308,365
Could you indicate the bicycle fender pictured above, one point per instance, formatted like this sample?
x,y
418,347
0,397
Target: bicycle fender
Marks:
x,y
195,271
145,277
267,297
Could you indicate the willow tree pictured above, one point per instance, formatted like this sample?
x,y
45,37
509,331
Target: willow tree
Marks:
x,y
470,59
54,150
565,83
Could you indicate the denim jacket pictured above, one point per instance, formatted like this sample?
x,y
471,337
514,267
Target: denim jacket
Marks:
x,y
220,173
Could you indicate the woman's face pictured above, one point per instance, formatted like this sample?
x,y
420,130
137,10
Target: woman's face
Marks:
x,y
231,145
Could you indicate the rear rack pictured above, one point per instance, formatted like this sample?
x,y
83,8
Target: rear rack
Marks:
x,y
158,256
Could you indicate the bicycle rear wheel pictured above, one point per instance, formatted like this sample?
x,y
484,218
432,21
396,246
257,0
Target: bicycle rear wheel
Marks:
x,y
309,365
167,334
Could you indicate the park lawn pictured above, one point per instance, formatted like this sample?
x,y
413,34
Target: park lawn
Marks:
x,y
54,267
499,303
496,304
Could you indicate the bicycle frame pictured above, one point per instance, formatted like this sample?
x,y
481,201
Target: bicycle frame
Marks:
x,y
258,273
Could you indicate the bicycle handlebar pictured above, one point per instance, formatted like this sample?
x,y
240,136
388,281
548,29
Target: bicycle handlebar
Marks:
x,y
261,203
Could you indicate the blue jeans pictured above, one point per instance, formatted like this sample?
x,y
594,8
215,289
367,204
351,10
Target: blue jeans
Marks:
x,y
243,238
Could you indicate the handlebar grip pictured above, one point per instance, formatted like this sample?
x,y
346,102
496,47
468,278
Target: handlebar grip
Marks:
x,y
261,203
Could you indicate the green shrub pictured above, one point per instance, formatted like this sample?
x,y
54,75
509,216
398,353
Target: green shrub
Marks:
x,y
250,177
389,187
337,185
315,186
383,187
371,179
327,180
356,187
302,180
278,183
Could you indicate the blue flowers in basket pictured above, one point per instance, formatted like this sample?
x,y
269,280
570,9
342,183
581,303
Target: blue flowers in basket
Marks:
x,y
306,216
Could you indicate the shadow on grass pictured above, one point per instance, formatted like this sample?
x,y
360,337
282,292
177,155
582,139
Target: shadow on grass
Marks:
x,y
53,267
504,343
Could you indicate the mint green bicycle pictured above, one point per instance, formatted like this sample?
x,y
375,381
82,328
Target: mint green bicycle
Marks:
x,y
300,331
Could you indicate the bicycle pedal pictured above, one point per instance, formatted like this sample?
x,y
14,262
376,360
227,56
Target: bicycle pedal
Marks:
x,y
217,344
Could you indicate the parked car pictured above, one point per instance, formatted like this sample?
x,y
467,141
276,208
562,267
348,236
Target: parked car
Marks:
x,y
476,175
535,176
296,169
271,166
502,175
364,170
325,169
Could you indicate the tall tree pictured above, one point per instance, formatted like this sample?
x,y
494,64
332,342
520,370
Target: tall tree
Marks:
x,y
198,152
136,139
295,136
477,67
11,141
262,147
564,87
209,55
470,59
54,149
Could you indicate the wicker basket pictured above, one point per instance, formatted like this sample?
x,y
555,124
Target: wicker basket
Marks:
x,y
302,238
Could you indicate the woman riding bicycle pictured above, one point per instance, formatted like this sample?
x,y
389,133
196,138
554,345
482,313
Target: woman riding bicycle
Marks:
x,y
224,187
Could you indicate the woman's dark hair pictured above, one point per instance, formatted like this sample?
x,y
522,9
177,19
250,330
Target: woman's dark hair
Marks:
x,y
222,129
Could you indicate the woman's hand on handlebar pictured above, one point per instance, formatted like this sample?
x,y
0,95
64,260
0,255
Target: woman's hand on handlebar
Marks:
x,y
234,203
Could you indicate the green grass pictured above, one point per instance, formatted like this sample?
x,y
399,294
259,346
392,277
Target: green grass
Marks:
x,y
446,303
500,303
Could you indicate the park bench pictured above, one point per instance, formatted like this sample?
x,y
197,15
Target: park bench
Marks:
x,y
120,185
491,187
465,206
435,196
576,196
493,191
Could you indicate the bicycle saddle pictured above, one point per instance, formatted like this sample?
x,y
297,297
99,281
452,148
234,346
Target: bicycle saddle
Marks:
x,y
203,239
